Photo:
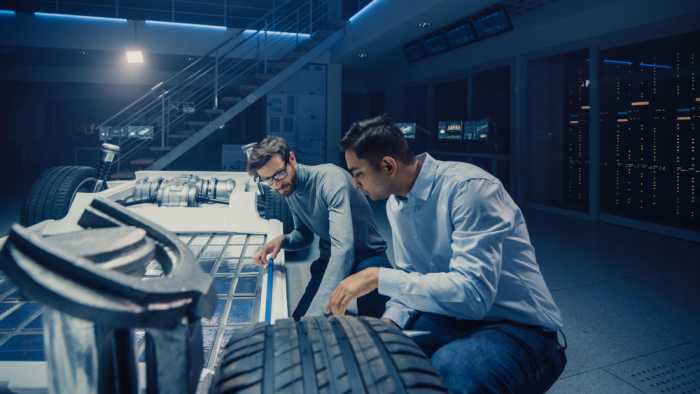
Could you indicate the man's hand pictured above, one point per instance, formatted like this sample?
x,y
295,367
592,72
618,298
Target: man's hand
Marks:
x,y
389,321
352,287
272,247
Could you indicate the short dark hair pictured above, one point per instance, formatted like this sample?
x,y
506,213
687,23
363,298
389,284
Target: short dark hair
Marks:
x,y
373,138
263,151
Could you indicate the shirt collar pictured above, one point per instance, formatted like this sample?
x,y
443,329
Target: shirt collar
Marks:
x,y
424,182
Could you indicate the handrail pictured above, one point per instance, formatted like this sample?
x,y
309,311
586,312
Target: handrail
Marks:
x,y
158,110
227,41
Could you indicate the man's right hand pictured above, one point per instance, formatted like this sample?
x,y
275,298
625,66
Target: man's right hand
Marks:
x,y
272,248
389,321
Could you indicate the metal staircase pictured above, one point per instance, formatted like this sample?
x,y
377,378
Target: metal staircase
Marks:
x,y
177,114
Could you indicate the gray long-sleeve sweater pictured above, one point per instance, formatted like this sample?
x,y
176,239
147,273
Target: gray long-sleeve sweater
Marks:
x,y
325,202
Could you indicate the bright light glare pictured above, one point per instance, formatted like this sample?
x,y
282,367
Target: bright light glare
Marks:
x,y
134,57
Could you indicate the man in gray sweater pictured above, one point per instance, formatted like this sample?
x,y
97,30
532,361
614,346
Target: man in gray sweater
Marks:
x,y
324,202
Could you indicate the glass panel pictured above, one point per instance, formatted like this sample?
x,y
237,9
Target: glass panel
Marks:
x,y
212,252
238,239
228,266
207,264
250,267
241,311
218,240
247,285
216,317
233,251
251,250
199,240
19,316
256,240
221,285
28,347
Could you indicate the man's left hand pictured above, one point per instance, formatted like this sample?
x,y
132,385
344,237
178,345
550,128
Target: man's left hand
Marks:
x,y
352,287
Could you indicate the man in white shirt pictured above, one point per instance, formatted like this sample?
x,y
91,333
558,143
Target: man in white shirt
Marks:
x,y
465,268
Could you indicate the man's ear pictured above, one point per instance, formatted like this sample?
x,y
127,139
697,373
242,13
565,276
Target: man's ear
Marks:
x,y
292,157
389,165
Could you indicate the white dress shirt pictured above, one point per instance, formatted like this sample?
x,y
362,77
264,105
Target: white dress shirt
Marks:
x,y
462,249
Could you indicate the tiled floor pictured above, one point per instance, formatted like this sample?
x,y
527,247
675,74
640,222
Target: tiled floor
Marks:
x,y
630,303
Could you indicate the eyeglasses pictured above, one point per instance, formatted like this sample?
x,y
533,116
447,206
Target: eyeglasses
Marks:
x,y
276,177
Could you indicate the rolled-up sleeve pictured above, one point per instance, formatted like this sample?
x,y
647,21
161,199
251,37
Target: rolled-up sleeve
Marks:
x,y
481,219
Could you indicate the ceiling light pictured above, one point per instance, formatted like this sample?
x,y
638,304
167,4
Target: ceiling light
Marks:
x,y
134,57
423,24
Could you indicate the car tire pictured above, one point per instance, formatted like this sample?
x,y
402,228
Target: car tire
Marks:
x,y
324,355
51,195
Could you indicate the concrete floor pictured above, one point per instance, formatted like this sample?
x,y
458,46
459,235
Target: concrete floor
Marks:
x,y
629,301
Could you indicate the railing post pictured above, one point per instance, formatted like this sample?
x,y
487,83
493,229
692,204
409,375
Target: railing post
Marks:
x,y
265,49
298,27
162,123
216,80
311,16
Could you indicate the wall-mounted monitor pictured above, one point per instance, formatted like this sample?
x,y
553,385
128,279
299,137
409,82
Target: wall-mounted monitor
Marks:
x,y
476,130
408,129
414,51
450,130
461,35
491,21
140,132
436,43
483,24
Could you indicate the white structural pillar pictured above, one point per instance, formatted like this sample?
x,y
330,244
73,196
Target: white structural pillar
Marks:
x,y
594,133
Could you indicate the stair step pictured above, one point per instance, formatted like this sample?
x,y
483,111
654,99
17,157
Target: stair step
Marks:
x,y
247,87
230,99
161,148
180,136
279,66
214,111
298,52
196,123
142,162
263,77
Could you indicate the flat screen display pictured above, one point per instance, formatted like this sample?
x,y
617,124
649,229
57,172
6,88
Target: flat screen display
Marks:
x,y
461,35
476,130
408,129
414,51
491,22
436,44
450,130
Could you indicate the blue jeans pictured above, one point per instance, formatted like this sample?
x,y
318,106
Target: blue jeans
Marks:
x,y
489,357
371,304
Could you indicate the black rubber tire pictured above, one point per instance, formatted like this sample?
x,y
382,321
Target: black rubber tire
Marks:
x,y
324,355
52,193
275,207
